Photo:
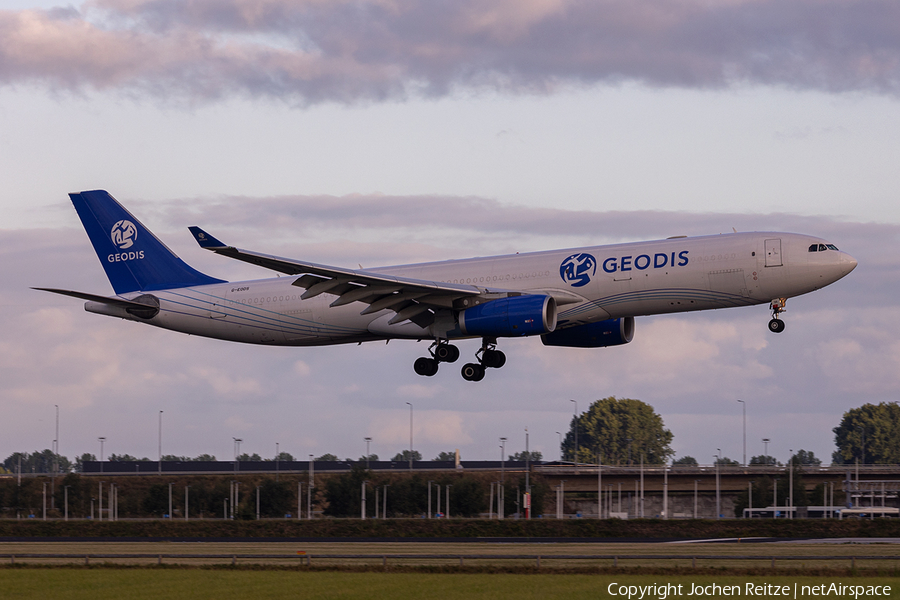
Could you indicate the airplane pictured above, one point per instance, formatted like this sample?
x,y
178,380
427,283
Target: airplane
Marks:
x,y
578,297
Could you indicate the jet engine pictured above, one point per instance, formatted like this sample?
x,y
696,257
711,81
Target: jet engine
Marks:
x,y
513,316
612,332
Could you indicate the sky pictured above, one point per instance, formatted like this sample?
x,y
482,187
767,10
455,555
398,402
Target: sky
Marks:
x,y
394,131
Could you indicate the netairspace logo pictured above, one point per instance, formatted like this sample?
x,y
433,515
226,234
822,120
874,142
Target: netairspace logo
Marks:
x,y
661,591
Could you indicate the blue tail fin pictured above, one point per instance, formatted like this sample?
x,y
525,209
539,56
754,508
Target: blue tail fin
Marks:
x,y
134,259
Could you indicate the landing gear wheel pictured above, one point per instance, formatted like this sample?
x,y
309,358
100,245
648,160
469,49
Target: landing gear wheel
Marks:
x,y
776,325
472,372
425,366
447,353
493,359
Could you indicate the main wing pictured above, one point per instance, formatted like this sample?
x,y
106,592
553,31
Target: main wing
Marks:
x,y
411,299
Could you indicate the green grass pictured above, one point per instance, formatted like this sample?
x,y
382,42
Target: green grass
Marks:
x,y
77,584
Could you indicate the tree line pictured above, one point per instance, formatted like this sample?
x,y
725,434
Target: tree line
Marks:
x,y
45,461
624,431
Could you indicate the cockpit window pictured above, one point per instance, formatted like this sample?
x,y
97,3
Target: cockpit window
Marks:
x,y
814,248
832,247
822,247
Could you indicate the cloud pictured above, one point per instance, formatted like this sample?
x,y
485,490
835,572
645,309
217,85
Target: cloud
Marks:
x,y
350,52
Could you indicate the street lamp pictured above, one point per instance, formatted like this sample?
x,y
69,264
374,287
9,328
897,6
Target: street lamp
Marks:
x,y
102,439
560,446
791,483
576,431
527,473
309,488
410,435
744,408
160,441
718,504
502,457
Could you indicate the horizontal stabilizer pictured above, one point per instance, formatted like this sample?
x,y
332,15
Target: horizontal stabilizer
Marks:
x,y
204,239
146,310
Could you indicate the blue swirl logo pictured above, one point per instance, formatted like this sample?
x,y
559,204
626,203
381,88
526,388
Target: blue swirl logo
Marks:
x,y
578,269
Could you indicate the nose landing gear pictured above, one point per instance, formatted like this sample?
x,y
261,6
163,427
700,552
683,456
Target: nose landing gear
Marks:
x,y
776,325
440,352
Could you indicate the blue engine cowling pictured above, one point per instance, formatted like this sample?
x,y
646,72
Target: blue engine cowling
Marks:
x,y
510,317
611,332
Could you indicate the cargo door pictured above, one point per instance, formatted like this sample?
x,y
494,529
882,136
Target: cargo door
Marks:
x,y
217,307
773,253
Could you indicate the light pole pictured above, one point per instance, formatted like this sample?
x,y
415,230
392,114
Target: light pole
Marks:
x,y
576,431
410,435
502,458
527,480
718,505
791,484
160,442
744,409
766,449
102,439
309,488
237,453
368,441
277,460
55,461
560,446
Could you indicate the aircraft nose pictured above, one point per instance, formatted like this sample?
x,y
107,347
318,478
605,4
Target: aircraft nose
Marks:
x,y
848,263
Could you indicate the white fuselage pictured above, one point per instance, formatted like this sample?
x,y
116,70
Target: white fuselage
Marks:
x,y
634,279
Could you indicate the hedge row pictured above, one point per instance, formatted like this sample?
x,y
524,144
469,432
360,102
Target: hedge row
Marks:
x,y
451,528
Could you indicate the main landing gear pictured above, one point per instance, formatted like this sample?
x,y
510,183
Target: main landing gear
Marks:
x,y
488,357
440,352
776,325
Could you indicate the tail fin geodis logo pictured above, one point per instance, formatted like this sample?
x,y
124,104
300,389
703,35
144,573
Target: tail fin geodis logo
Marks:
x,y
124,234
578,269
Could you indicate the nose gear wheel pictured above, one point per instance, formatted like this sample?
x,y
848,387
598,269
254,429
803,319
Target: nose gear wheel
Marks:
x,y
776,325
